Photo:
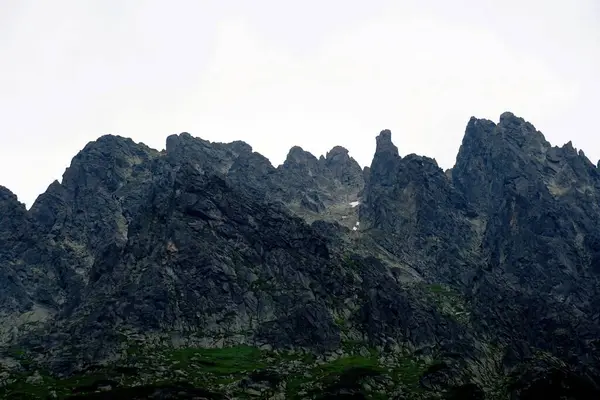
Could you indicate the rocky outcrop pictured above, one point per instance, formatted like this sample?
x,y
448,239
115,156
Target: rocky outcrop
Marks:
x,y
320,183
13,227
479,281
418,215
539,205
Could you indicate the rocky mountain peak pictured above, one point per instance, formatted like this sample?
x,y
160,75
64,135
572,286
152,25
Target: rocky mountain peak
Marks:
x,y
521,132
386,160
489,151
106,162
509,121
203,155
176,140
298,156
405,194
337,153
7,197
508,117
384,143
240,147
477,128
199,262
569,148
344,168
511,129
12,212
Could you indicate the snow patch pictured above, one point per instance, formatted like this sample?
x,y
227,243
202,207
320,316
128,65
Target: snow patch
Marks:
x,y
354,203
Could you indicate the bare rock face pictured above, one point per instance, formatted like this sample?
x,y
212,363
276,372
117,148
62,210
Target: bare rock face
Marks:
x,y
539,205
13,228
417,214
479,282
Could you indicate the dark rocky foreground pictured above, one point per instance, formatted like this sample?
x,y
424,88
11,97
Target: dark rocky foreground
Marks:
x,y
203,272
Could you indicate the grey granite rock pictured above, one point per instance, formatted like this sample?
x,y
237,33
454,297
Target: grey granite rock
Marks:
x,y
488,273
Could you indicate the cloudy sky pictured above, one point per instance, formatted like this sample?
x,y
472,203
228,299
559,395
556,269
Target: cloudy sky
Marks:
x,y
277,73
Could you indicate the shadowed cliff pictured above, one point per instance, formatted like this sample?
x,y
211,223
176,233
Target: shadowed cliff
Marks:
x,y
395,280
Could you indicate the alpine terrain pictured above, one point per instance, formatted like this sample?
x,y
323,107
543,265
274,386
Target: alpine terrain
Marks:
x,y
203,272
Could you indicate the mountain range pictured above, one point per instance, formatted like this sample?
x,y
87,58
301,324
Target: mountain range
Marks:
x,y
203,271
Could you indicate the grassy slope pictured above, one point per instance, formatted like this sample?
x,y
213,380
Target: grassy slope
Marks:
x,y
240,372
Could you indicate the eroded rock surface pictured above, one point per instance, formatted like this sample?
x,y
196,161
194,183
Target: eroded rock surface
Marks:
x,y
398,280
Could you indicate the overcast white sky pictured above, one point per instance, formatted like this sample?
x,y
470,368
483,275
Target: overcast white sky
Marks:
x,y
282,73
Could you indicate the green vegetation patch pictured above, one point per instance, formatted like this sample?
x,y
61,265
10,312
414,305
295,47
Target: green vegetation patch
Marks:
x,y
225,361
344,374
239,372
409,371
47,386
448,302
438,289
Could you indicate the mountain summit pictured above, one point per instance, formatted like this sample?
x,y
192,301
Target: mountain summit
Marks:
x,y
205,272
